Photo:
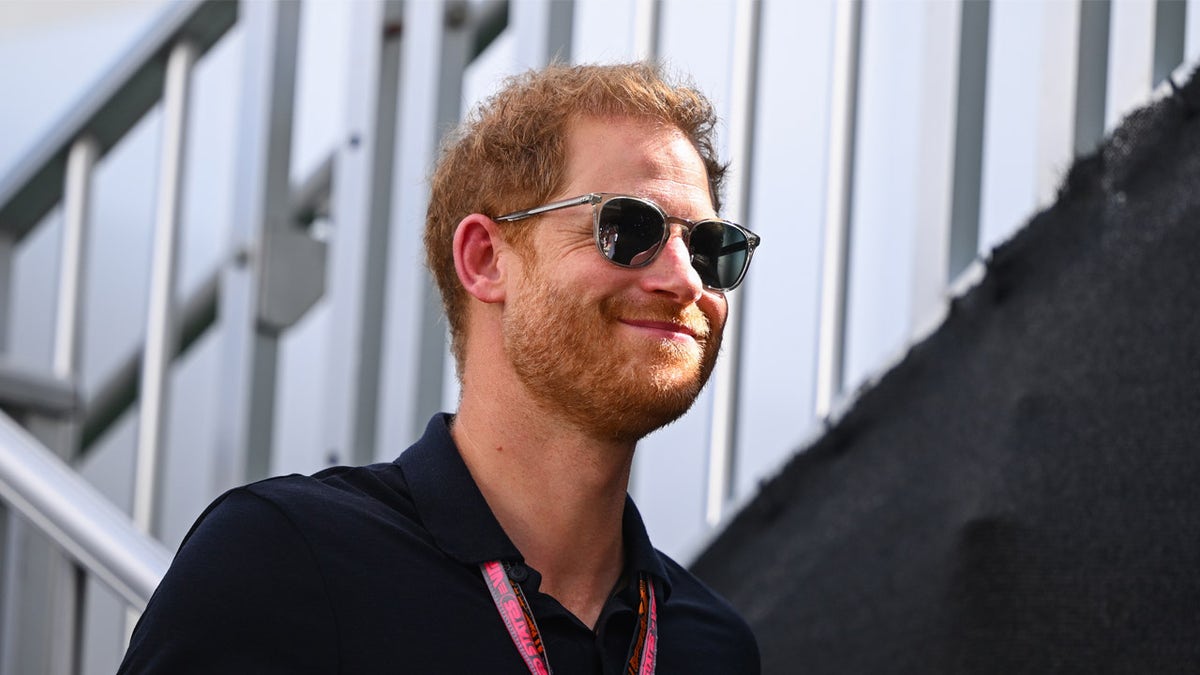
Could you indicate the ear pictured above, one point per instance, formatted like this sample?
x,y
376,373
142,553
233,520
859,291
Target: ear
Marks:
x,y
477,247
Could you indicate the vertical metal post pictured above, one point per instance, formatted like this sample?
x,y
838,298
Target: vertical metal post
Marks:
x,y
43,586
162,321
65,576
363,213
418,371
645,29
743,115
8,561
968,135
69,310
838,198
1091,83
1170,24
41,592
250,350
6,256
68,578
12,619
78,617
8,566
545,29
456,53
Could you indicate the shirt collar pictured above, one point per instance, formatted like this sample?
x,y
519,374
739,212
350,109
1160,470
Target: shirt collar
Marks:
x,y
449,503
460,521
640,554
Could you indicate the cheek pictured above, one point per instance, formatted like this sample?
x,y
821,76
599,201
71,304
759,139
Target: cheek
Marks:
x,y
573,262
716,308
568,245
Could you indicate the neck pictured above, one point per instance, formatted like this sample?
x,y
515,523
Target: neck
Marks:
x,y
559,495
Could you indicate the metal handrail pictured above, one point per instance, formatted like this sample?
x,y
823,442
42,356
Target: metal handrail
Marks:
x,y
108,110
84,523
39,486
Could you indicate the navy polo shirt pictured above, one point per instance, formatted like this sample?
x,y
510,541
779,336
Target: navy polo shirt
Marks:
x,y
375,569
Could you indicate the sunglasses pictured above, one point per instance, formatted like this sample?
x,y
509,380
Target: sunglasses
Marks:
x,y
632,231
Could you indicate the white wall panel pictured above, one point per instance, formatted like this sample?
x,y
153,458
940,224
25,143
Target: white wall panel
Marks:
x,y
1010,171
934,184
605,31
884,208
1056,97
321,87
1130,59
780,295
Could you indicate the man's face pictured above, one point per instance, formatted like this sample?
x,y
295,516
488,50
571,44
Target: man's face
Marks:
x,y
617,352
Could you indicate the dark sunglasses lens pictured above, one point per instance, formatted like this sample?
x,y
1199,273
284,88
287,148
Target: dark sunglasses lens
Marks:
x,y
630,232
719,253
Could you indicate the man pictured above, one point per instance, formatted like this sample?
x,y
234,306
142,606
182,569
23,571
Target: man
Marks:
x,y
572,231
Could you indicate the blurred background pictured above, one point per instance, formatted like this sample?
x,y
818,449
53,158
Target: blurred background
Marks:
x,y
210,218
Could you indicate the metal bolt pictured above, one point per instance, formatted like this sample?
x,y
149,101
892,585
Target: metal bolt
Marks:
x,y
456,14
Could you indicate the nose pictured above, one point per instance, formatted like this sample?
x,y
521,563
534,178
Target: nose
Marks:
x,y
672,273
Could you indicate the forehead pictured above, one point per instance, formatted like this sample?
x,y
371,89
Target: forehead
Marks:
x,y
637,157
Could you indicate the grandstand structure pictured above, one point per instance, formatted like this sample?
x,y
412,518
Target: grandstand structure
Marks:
x,y
210,260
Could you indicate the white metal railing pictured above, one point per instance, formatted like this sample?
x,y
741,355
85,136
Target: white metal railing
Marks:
x,y
37,480
50,494
272,276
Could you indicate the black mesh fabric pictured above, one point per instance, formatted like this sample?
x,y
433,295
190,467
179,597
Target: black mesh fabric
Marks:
x,y
1021,494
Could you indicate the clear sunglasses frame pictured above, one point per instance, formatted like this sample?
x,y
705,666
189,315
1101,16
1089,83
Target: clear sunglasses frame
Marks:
x,y
599,199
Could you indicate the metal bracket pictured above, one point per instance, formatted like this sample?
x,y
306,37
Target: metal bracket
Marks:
x,y
293,278
27,391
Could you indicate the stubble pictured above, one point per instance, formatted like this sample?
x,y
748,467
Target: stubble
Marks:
x,y
575,362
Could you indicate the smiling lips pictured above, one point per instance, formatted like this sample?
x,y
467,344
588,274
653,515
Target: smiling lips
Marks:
x,y
674,328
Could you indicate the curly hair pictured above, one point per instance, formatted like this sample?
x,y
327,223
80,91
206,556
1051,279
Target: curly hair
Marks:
x,y
509,153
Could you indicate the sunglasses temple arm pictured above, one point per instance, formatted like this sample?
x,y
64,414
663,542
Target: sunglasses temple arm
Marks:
x,y
552,206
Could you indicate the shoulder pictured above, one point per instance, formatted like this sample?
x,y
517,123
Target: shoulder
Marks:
x,y
291,524
699,631
379,487
257,573
243,578
284,511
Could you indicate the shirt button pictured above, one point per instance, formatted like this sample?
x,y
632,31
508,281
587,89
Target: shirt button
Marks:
x,y
518,573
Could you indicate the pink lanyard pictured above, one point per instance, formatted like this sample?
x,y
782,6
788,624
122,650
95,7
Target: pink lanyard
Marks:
x,y
518,619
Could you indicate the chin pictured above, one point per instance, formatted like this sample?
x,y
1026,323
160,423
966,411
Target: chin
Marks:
x,y
635,422
653,402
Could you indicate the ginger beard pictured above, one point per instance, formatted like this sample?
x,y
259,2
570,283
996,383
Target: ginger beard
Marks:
x,y
573,358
